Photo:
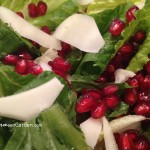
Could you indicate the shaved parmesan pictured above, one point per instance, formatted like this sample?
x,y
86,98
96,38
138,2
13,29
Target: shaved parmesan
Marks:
x,y
27,105
122,75
84,2
81,32
110,143
27,30
124,122
141,4
91,129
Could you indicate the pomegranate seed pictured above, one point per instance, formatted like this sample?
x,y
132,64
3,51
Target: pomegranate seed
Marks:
x,y
66,48
147,67
140,78
117,137
21,67
99,110
116,61
93,92
35,44
10,59
32,10
20,14
142,108
139,37
116,27
130,96
102,78
132,81
126,48
112,101
25,55
110,69
133,134
130,13
60,64
142,143
142,96
110,90
30,63
125,142
46,30
85,104
42,8
146,84
35,70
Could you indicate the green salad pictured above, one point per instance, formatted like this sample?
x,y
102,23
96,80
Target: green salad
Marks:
x,y
74,75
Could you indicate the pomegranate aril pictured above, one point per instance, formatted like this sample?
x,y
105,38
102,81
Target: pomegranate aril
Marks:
x,y
142,96
125,143
126,49
95,93
41,8
60,64
25,55
46,29
32,10
145,85
110,90
117,138
35,70
139,37
142,143
130,14
30,63
103,78
21,67
10,59
116,27
112,101
130,96
20,14
132,81
99,110
147,67
143,109
85,104
133,134
35,44
66,48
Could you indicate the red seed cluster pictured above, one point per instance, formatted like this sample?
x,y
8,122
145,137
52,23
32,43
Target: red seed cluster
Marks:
x,y
37,10
60,66
23,63
98,101
131,140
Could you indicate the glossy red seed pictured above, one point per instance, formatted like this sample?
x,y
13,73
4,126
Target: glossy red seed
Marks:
x,y
110,69
143,109
66,49
46,29
142,96
21,67
32,10
147,67
112,101
126,49
85,104
110,90
142,143
42,8
116,27
60,64
99,110
139,37
133,82
102,78
35,44
30,63
125,142
117,60
133,134
145,85
25,55
117,138
130,96
95,93
35,70
20,14
130,14
10,59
